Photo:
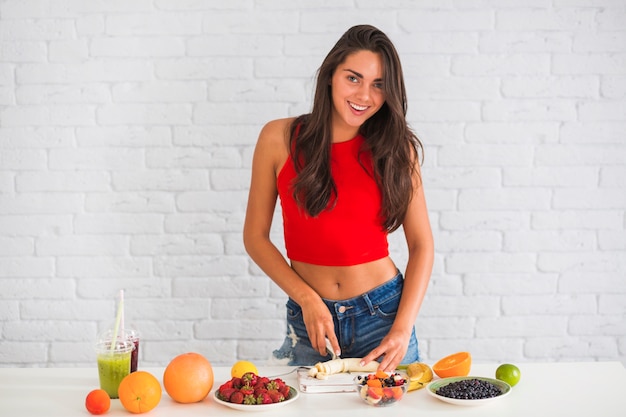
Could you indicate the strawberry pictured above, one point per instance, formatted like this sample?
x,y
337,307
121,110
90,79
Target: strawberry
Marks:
x,y
225,393
276,396
225,385
236,397
375,393
264,398
388,393
254,389
285,390
249,378
280,382
237,383
247,390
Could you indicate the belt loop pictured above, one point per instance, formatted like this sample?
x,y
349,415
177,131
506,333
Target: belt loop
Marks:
x,y
367,300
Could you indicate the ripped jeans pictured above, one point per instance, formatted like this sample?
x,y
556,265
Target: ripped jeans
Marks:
x,y
360,325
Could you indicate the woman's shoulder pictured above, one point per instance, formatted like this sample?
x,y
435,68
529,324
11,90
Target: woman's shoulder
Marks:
x,y
273,143
277,129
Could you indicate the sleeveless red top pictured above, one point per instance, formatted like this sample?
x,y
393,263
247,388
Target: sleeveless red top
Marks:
x,y
350,232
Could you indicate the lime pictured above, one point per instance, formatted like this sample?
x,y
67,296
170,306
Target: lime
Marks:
x,y
241,367
508,373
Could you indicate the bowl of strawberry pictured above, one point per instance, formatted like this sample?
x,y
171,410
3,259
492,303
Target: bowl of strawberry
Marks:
x,y
381,389
252,390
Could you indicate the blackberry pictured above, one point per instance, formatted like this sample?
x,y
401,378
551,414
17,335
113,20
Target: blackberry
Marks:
x,y
469,389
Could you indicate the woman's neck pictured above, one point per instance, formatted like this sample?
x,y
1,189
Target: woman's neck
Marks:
x,y
344,133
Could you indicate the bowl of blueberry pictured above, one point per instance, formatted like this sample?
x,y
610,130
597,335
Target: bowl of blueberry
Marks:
x,y
468,390
381,389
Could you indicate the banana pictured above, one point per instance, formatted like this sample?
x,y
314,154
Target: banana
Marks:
x,y
419,374
322,370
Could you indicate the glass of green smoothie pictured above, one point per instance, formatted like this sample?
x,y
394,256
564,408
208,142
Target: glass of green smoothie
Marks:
x,y
113,363
129,333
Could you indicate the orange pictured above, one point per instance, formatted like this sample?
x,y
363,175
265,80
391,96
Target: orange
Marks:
x,y
397,392
97,402
188,378
374,382
381,374
457,364
139,392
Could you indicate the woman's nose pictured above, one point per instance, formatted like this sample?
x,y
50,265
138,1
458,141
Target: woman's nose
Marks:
x,y
363,93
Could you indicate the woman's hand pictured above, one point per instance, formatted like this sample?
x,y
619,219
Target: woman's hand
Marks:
x,y
392,349
319,326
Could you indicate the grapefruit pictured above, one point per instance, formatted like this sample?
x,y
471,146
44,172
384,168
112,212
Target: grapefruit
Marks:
x,y
188,378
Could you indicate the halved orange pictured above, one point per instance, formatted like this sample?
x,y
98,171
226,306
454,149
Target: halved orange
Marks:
x,y
457,364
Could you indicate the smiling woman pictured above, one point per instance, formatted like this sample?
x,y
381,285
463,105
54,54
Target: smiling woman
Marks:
x,y
347,174
356,95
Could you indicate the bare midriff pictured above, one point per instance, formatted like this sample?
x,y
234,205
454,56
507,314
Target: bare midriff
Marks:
x,y
343,282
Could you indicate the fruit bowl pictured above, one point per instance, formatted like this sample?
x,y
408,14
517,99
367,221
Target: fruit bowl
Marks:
x,y
388,392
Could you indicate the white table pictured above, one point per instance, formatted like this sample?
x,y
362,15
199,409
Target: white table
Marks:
x,y
546,389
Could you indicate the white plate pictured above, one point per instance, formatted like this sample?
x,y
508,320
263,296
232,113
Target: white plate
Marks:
x,y
435,385
293,395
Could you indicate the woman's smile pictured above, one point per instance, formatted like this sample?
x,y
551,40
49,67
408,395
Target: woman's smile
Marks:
x,y
356,107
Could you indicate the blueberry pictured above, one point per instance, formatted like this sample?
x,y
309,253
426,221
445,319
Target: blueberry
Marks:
x,y
469,389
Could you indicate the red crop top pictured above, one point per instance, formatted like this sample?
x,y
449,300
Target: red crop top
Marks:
x,y
349,233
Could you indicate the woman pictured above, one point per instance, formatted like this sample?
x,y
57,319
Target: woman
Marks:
x,y
347,174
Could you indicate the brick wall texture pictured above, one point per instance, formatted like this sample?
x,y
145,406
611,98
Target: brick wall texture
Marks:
x,y
126,134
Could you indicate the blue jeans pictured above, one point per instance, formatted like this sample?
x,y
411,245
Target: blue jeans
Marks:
x,y
360,325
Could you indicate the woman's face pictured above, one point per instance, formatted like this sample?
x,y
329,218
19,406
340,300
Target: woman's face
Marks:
x,y
357,90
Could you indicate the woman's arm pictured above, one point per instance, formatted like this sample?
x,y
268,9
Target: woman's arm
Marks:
x,y
420,244
270,154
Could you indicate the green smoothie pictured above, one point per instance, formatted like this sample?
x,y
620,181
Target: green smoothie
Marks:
x,y
112,368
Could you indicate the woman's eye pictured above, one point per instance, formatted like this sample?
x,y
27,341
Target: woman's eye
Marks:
x,y
378,85
352,78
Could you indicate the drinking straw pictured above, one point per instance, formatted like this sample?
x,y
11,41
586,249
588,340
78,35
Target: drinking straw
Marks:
x,y
118,319
122,335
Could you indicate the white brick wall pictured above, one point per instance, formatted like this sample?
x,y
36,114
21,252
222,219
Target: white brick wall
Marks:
x,y
126,134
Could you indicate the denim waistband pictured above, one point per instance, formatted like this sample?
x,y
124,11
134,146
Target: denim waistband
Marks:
x,y
366,302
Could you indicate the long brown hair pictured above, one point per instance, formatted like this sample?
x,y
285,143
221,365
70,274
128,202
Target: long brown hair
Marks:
x,y
393,145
